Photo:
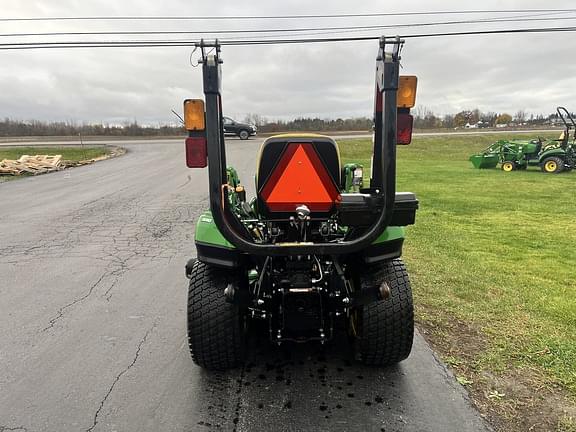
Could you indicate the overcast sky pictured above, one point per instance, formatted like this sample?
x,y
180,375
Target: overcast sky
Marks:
x,y
502,73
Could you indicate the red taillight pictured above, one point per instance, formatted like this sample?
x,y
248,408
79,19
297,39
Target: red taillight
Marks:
x,y
300,178
196,152
404,129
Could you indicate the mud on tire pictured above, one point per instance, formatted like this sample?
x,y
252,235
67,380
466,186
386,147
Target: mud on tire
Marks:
x,y
386,327
215,327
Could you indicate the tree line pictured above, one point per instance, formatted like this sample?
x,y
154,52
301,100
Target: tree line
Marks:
x,y
16,128
314,124
424,118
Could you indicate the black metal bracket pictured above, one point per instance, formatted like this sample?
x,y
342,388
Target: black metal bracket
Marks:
x,y
383,183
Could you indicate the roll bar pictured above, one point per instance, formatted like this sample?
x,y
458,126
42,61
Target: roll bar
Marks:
x,y
565,114
382,185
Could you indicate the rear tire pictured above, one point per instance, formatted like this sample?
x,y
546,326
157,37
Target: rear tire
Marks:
x,y
553,165
215,327
387,326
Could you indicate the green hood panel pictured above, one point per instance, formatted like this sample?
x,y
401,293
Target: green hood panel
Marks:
x,y
208,233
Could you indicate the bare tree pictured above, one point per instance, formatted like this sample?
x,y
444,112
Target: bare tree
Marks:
x,y
520,116
255,119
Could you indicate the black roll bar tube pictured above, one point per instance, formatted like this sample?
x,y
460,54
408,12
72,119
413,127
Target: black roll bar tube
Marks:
x,y
564,113
383,184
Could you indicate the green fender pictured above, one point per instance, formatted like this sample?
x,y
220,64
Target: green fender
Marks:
x,y
552,152
207,232
391,233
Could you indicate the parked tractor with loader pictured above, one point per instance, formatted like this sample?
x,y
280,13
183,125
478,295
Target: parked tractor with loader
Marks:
x,y
316,249
552,156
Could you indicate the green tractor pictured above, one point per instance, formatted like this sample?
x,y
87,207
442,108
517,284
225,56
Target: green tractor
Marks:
x,y
553,156
316,253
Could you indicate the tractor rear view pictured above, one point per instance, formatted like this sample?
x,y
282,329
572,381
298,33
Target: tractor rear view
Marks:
x,y
552,156
316,249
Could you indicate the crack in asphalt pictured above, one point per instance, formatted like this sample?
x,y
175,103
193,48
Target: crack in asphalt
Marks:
x,y
189,179
109,392
60,312
121,231
108,293
117,229
15,428
238,406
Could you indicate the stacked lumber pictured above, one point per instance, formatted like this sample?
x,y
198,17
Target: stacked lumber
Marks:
x,y
37,164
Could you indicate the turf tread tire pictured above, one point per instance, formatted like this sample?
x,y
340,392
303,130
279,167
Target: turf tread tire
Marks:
x,y
387,326
215,330
559,165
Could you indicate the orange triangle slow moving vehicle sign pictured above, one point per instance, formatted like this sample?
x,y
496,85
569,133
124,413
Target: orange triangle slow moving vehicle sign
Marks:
x,y
300,178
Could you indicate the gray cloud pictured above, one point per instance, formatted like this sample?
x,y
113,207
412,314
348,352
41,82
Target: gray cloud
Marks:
x,y
499,73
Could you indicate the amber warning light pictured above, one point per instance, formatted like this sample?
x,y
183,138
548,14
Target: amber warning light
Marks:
x,y
195,123
194,115
406,97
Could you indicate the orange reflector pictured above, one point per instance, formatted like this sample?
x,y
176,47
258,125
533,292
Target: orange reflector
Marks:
x,y
407,92
194,115
300,178
404,125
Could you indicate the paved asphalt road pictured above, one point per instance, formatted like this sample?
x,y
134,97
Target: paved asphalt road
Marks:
x,y
93,327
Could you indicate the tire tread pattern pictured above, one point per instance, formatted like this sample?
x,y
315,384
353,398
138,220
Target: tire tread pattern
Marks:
x,y
388,325
215,335
559,164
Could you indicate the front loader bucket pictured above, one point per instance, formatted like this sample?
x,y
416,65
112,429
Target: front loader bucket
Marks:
x,y
482,161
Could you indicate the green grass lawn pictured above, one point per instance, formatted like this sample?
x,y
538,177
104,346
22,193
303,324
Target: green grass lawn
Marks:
x,y
494,250
71,154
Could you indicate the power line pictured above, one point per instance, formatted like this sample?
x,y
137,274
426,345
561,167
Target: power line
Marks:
x,y
288,30
363,29
190,43
493,32
408,36
360,30
268,17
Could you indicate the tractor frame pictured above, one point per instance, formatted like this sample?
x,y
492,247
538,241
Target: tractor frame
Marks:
x,y
305,273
